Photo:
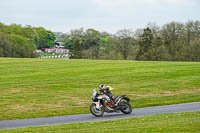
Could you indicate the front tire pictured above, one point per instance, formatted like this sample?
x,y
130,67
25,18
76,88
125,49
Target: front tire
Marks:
x,y
96,112
126,108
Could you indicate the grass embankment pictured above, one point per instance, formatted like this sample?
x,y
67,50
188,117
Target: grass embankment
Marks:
x,y
48,87
166,123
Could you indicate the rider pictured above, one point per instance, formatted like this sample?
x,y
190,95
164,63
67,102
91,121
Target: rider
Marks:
x,y
107,90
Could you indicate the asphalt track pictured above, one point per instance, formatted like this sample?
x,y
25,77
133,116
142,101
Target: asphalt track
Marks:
x,y
68,119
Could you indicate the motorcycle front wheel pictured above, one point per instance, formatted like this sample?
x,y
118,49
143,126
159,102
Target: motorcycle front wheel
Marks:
x,y
95,111
126,108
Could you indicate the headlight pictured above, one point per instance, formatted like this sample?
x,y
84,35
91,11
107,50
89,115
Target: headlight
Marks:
x,y
94,93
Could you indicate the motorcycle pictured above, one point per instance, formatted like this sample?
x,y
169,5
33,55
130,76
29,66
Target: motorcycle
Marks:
x,y
103,103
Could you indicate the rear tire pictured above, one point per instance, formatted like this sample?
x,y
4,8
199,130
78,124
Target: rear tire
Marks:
x,y
96,112
126,108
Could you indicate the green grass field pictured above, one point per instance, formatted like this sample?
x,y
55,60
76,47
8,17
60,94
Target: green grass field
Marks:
x,y
49,87
166,123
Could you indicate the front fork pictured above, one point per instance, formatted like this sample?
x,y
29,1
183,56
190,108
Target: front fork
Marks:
x,y
97,104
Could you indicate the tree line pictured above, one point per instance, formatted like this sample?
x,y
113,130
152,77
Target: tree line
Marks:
x,y
172,42
19,41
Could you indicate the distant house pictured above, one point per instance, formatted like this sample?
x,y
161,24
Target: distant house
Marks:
x,y
58,49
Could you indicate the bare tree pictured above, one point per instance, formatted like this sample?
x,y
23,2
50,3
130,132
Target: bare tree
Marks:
x,y
124,42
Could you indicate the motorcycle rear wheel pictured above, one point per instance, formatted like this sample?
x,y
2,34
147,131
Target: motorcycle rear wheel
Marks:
x,y
96,112
126,108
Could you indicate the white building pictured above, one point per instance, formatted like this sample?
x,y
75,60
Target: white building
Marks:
x,y
56,50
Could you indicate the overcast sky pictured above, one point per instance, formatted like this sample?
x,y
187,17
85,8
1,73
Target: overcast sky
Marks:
x,y
103,15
